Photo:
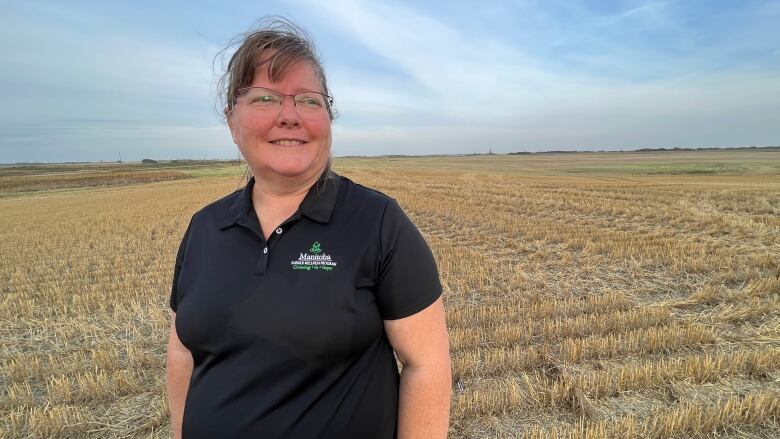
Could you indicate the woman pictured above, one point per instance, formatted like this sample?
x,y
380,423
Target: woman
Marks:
x,y
291,294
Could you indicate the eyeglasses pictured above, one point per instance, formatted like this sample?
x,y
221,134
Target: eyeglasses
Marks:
x,y
268,100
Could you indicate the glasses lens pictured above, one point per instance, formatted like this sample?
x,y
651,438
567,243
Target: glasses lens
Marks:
x,y
310,101
260,97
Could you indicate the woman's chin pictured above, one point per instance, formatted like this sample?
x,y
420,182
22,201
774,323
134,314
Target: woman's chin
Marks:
x,y
290,167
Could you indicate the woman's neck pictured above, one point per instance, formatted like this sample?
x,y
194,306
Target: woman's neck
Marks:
x,y
280,192
276,200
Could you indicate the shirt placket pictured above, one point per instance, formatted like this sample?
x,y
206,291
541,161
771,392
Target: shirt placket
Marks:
x,y
267,246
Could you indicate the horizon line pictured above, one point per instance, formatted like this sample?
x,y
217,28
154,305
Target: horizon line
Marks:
x,y
640,150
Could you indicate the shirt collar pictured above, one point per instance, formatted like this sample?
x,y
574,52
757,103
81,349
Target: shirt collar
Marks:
x,y
317,205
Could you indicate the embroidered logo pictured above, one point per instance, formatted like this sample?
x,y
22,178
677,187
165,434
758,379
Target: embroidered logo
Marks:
x,y
314,259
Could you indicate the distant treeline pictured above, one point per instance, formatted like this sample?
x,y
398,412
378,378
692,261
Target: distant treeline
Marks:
x,y
147,161
142,161
763,148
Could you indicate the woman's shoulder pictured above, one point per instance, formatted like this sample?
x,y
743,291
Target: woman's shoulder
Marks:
x,y
220,212
356,192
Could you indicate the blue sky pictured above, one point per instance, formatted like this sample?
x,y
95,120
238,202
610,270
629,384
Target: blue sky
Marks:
x,y
86,81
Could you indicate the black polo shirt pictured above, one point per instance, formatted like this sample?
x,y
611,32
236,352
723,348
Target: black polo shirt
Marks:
x,y
287,335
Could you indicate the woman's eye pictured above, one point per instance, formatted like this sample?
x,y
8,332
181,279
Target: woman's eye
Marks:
x,y
264,99
311,102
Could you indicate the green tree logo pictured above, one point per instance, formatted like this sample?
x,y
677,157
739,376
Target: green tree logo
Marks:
x,y
315,248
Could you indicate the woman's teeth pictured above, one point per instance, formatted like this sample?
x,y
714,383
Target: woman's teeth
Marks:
x,y
288,142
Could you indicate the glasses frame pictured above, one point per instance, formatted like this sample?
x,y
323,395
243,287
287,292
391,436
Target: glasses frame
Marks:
x,y
328,98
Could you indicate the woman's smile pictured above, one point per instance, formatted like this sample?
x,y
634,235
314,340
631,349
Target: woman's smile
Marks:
x,y
288,142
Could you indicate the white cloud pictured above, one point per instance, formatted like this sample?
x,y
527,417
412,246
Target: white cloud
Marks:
x,y
551,76
56,72
470,90
71,92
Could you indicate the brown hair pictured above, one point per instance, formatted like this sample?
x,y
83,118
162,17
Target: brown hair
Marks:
x,y
289,43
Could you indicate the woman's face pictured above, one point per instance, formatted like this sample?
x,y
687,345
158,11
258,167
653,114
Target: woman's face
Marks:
x,y
286,143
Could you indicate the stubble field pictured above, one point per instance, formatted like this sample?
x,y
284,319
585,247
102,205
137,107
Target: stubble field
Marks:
x,y
587,295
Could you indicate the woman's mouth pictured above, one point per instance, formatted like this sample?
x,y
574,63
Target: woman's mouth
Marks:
x,y
287,142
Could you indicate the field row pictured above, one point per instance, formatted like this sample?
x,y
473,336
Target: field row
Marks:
x,y
32,183
487,361
759,410
561,387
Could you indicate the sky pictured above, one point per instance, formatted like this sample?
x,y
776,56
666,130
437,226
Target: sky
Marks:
x,y
100,80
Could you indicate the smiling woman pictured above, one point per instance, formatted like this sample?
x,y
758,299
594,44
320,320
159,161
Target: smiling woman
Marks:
x,y
292,295
280,137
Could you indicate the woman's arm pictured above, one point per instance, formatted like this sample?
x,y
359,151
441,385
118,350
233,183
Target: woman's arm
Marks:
x,y
179,372
421,344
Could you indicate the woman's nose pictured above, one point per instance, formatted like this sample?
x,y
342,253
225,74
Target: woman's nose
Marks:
x,y
288,114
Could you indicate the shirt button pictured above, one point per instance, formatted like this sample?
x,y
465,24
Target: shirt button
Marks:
x,y
279,231
265,250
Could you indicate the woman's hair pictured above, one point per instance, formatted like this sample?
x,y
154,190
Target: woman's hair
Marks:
x,y
287,43
282,43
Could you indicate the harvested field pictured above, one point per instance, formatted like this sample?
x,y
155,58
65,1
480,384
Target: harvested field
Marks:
x,y
36,183
587,295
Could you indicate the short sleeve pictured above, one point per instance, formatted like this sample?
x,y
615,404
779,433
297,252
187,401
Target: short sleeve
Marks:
x,y
177,268
408,280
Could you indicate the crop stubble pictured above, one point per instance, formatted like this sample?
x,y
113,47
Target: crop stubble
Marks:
x,y
578,306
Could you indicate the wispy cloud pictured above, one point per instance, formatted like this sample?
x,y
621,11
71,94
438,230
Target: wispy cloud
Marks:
x,y
76,92
473,91
83,81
